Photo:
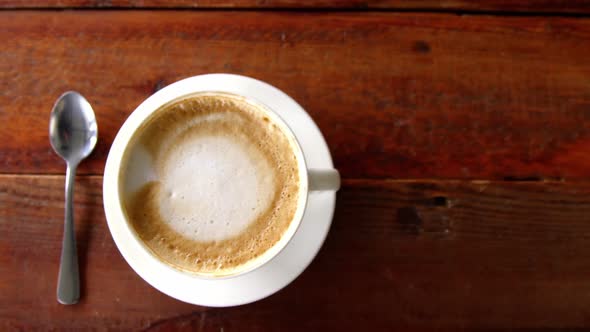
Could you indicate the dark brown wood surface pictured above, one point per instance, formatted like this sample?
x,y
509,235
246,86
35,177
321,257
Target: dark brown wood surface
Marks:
x,y
400,253
396,95
463,141
536,6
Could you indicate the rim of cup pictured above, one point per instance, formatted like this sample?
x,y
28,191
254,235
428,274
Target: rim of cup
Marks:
x,y
132,127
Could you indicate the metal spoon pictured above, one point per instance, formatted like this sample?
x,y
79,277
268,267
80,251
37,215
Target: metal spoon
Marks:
x,y
73,133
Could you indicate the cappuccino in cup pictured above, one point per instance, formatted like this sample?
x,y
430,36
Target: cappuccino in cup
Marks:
x,y
224,184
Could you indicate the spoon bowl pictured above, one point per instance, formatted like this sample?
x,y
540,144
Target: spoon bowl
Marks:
x,y
72,127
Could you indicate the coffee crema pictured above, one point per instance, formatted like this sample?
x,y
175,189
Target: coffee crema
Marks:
x,y
225,183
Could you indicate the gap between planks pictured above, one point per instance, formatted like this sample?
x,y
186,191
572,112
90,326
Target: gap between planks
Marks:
x,y
362,10
347,181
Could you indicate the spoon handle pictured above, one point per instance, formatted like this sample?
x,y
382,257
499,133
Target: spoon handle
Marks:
x,y
68,284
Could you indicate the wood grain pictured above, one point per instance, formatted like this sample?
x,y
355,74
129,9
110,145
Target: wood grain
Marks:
x,y
397,96
553,6
400,253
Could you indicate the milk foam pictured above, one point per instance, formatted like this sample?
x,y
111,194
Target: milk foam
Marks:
x,y
214,188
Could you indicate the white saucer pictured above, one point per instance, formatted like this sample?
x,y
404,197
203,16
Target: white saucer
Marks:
x,y
299,252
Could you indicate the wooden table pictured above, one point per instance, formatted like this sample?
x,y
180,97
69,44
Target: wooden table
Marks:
x,y
461,129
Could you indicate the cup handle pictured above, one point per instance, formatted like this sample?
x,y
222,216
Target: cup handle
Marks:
x,y
323,179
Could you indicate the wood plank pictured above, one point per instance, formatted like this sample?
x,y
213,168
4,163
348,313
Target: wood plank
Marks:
x,y
400,253
396,95
552,6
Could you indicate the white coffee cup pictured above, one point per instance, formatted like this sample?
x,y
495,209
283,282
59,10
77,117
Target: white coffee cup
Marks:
x,y
115,187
